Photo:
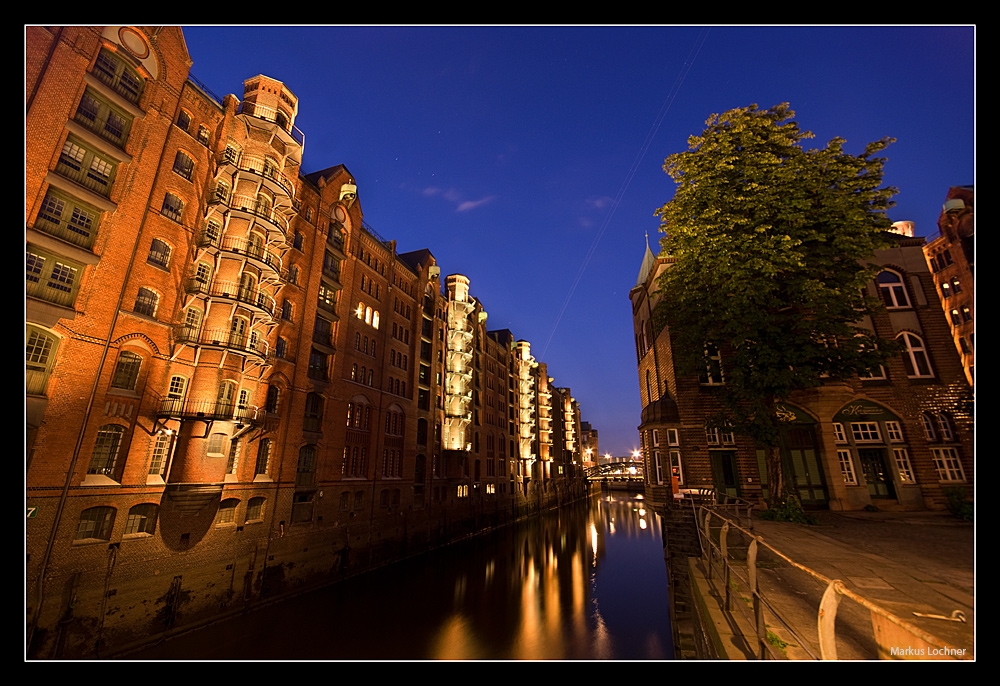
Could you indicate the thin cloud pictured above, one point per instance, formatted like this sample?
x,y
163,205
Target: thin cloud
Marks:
x,y
473,204
456,198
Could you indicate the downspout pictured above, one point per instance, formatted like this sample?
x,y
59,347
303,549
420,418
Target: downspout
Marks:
x,y
64,496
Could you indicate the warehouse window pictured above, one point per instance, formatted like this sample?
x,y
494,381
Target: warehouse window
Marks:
x,y
106,447
96,523
141,519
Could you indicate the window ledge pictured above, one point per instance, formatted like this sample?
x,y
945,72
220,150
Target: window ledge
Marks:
x,y
99,480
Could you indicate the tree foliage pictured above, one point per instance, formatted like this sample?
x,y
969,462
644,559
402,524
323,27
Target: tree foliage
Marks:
x,y
772,247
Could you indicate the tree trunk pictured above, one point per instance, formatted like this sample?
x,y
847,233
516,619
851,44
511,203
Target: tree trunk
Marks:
x,y
775,476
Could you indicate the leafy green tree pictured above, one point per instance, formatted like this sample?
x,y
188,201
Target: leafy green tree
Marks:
x,y
771,248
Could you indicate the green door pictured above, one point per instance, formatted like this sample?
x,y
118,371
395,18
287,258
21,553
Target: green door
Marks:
x,y
877,476
724,471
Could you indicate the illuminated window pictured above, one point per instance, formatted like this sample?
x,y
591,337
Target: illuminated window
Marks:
x,y
902,458
847,467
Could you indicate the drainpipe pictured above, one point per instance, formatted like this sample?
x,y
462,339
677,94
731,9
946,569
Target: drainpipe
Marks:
x,y
64,496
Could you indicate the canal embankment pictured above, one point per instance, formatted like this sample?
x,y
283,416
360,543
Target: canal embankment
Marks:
x,y
855,586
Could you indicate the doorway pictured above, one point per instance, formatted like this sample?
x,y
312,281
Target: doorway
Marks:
x,y
877,476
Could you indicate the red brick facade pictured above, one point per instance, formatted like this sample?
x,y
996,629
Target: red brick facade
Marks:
x,y
235,387
898,440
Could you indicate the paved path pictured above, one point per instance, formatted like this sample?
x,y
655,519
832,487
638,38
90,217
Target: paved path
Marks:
x,y
905,562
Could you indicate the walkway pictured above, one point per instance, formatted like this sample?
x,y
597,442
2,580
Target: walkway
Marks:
x,y
905,562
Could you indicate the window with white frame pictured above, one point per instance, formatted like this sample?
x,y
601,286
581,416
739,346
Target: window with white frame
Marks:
x,y
160,455
894,432
902,459
847,467
865,432
838,433
673,437
892,289
263,457
915,358
948,465
676,470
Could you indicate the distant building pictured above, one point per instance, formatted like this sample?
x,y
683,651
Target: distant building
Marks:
x,y
895,440
951,256
236,387
589,444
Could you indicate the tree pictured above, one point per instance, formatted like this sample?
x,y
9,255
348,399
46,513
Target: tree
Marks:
x,y
771,247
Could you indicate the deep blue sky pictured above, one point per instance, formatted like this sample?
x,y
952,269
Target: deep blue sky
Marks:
x,y
530,158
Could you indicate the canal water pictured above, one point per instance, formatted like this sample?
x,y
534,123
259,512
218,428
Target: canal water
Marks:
x,y
587,582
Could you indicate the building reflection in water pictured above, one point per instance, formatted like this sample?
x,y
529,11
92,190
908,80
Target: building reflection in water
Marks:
x,y
587,582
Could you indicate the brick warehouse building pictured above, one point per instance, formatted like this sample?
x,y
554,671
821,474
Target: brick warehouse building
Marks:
x,y
235,388
951,256
897,440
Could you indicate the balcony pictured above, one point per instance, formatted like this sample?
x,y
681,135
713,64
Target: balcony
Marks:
x,y
183,408
222,339
254,298
273,120
242,247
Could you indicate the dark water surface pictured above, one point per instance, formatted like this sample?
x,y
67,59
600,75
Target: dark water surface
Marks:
x,y
588,582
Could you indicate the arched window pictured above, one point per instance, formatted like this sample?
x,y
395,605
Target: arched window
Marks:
x,y
915,356
183,165
227,511
141,519
146,302
106,447
126,371
892,290
159,253
255,509
173,207
271,404
95,523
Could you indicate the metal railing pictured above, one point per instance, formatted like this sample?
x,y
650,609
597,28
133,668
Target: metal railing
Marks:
x,y
737,568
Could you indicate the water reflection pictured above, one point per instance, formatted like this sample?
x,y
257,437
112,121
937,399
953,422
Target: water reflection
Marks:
x,y
588,582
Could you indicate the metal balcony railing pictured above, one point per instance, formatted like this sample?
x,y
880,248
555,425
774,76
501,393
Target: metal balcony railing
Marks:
x,y
242,247
274,116
184,408
230,290
223,338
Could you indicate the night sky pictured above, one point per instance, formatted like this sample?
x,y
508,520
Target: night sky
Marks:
x,y
530,158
